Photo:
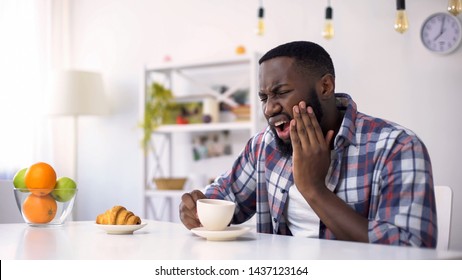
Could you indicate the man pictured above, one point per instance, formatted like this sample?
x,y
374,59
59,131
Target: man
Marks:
x,y
321,168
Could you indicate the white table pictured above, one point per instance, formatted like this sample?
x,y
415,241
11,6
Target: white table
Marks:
x,y
172,241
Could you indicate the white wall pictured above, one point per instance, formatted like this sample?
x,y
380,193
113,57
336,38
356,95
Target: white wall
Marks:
x,y
390,75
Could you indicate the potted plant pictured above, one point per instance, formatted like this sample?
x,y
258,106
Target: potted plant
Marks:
x,y
155,111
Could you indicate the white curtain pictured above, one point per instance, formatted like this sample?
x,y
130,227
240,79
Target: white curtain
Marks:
x,y
25,60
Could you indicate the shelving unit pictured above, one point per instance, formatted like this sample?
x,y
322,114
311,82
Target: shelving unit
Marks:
x,y
205,127
193,81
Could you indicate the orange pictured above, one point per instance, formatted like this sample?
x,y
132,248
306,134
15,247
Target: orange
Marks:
x,y
39,209
40,178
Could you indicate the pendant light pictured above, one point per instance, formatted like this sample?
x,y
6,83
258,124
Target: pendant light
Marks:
x,y
401,22
328,30
261,22
455,7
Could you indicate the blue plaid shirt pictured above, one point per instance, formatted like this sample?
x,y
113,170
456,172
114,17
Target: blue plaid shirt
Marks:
x,y
380,169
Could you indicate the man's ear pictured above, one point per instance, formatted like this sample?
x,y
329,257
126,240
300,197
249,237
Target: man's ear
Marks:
x,y
327,84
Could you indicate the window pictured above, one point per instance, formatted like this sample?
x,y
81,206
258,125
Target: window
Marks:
x,y
23,72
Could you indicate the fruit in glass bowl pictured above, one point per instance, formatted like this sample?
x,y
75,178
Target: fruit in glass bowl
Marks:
x,y
42,199
43,210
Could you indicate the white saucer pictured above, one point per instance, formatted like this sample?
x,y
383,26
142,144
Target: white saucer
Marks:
x,y
230,233
120,229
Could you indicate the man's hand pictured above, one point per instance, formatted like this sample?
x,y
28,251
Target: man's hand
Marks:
x,y
311,150
188,211
311,160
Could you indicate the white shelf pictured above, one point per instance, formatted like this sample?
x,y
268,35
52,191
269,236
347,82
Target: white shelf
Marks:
x,y
171,66
244,125
164,193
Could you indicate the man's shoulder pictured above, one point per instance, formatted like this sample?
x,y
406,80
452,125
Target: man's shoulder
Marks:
x,y
382,125
377,129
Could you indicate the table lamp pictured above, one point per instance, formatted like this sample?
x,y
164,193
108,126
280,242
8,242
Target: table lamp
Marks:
x,y
76,93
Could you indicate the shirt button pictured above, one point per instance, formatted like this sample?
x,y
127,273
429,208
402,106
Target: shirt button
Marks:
x,y
283,190
275,220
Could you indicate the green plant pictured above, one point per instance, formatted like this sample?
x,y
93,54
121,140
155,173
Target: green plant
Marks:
x,y
155,111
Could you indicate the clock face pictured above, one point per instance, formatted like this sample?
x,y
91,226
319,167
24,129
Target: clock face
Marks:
x,y
441,33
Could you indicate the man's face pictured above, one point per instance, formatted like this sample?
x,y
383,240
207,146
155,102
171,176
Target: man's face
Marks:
x,y
281,88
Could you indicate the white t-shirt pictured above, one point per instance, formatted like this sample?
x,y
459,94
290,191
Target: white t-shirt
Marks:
x,y
301,219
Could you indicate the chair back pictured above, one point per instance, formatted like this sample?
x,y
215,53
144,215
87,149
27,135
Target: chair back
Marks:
x,y
443,196
9,212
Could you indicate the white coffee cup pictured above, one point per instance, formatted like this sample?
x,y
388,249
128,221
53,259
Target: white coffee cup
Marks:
x,y
215,214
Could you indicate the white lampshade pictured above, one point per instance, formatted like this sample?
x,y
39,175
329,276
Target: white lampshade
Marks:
x,y
77,93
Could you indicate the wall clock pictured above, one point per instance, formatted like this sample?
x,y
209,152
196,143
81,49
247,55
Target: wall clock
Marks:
x,y
441,33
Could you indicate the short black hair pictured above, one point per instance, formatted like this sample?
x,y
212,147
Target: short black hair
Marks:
x,y
310,56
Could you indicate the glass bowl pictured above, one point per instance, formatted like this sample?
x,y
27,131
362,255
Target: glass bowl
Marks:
x,y
44,210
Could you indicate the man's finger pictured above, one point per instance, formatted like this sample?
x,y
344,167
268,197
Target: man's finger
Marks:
x,y
317,131
311,125
189,219
300,126
197,194
294,138
188,211
188,201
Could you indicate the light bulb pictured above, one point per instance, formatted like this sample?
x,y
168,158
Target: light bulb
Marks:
x,y
328,31
261,22
401,22
455,7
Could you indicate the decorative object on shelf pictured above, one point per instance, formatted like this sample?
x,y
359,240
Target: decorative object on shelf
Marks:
x,y
170,183
167,58
240,49
401,22
156,106
211,144
455,7
441,33
181,112
242,112
328,31
210,108
261,22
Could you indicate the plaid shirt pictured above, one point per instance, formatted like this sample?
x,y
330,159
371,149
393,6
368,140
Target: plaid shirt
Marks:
x,y
380,169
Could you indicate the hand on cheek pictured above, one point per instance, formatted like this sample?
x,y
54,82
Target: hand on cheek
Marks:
x,y
311,152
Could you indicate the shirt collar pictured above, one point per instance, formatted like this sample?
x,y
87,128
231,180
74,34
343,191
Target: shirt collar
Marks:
x,y
346,133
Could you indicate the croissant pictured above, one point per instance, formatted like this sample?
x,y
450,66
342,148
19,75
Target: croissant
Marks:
x,y
118,215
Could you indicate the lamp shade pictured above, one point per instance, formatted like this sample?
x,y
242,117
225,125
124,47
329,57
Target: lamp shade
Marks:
x,y
77,93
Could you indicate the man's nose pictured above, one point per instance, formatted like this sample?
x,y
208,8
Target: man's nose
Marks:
x,y
272,107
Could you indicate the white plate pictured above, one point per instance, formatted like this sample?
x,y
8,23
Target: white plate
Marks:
x,y
230,233
120,229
